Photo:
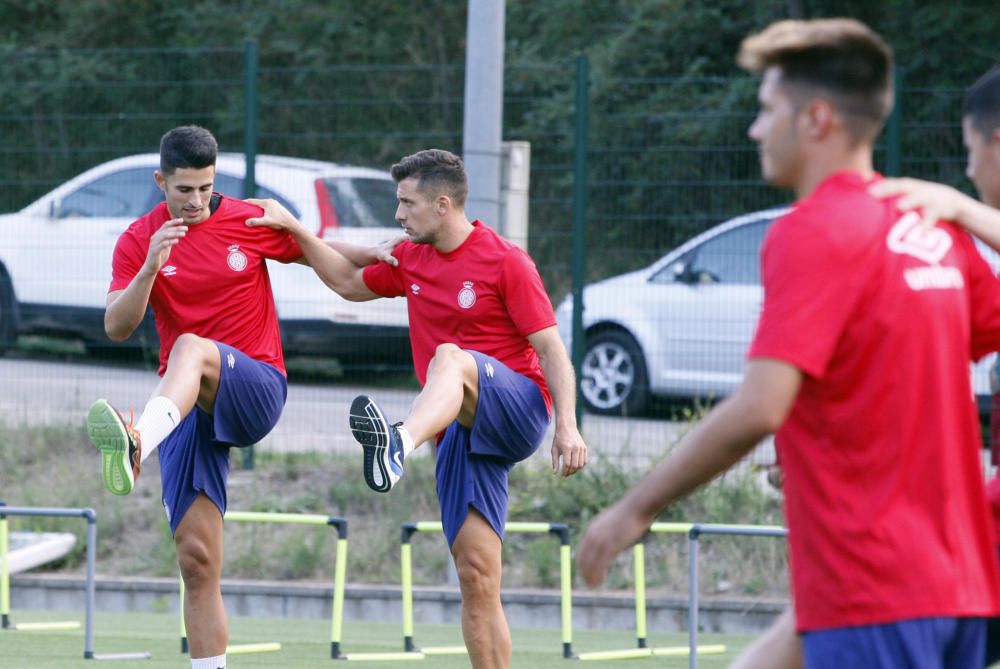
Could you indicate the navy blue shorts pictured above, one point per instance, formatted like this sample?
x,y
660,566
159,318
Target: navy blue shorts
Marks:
x,y
472,465
923,643
194,458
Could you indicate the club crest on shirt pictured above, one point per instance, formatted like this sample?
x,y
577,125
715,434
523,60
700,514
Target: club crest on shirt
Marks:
x,y
466,296
237,260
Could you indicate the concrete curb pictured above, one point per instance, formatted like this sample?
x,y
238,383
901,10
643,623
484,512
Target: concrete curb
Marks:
x,y
382,603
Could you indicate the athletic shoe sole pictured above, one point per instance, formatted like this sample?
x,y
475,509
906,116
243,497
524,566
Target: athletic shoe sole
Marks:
x,y
108,434
371,429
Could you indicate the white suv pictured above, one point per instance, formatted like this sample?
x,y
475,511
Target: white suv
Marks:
x,y
55,254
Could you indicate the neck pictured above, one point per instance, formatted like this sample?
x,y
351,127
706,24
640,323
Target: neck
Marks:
x,y
454,232
826,162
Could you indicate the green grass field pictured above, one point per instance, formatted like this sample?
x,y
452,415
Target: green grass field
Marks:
x,y
306,644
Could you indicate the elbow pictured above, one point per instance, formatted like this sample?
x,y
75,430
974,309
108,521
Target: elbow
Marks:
x,y
115,335
761,415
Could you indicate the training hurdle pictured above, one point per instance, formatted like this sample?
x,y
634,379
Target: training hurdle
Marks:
x,y
89,585
566,586
642,648
340,571
694,531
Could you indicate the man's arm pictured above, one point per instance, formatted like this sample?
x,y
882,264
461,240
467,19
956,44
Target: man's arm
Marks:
x,y
362,256
757,408
943,203
337,271
567,442
125,308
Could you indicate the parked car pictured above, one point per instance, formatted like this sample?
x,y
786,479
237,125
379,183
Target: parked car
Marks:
x,y
55,254
682,326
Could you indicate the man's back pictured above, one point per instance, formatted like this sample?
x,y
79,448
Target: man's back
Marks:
x,y
880,449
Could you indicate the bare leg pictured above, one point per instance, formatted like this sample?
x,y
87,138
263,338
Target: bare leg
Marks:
x,y
779,647
451,391
192,375
199,554
484,626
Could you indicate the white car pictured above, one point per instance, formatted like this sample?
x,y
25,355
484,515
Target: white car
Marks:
x,y
55,254
682,326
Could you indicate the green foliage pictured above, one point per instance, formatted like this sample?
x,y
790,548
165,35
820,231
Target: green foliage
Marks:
x,y
134,537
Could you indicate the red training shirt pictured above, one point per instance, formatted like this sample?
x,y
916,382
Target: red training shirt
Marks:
x,y
885,501
486,296
214,283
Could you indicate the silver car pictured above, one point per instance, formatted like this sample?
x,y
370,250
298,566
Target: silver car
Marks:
x,y
681,327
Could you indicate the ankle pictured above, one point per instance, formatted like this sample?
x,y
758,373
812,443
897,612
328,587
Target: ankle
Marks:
x,y
407,441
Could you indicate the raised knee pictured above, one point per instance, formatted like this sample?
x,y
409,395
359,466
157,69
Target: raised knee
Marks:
x,y
446,353
186,344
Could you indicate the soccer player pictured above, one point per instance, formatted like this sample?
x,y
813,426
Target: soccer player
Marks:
x,y
860,364
202,270
489,358
779,646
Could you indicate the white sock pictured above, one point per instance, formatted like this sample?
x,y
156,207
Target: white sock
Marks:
x,y
158,419
407,440
217,662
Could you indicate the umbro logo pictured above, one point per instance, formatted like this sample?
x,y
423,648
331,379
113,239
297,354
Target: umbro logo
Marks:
x,y
415,288
489,369
231,360
168,270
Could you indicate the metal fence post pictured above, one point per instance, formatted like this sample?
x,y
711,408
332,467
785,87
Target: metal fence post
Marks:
x,y
250,64
894,130
579,243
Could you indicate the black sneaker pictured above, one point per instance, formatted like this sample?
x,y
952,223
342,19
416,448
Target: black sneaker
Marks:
x,y
381,441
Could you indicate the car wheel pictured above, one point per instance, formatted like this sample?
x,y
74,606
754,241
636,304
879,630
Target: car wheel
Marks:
x,y
8,331
613,378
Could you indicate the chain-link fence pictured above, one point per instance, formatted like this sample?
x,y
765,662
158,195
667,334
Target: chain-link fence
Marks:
x,y
666,159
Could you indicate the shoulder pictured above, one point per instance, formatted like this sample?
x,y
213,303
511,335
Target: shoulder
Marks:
x,y
238,209
144,226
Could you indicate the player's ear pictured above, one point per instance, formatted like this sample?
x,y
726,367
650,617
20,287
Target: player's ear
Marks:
x,y
161,182
819,117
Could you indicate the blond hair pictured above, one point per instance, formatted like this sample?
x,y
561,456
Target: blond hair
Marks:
x,y
842,60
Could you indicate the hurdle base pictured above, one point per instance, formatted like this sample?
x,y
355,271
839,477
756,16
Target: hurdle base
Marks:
x,y
46,627
383,657
144,655
248,648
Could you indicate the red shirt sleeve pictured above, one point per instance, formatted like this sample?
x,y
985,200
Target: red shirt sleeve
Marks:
x,y
129,255
984,300
809,293
523,293
384,279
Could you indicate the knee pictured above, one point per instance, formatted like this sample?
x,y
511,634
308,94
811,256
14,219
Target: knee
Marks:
x,y
197,565
478,575
448,357
188,346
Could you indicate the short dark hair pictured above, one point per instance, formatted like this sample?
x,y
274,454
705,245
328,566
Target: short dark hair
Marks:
x,y
842,59
187,146
436,171
982,103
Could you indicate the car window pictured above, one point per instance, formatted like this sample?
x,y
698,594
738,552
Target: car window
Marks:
x,y
732,257
363,202
232,186
125,193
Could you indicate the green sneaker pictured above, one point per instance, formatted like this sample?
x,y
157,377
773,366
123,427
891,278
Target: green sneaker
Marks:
x,y
120,446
